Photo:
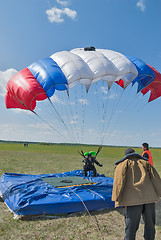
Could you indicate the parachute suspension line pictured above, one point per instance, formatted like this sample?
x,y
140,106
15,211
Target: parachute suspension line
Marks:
x,y
94,193
112,114
53,107
65,111
76,112
53,114
54,129
57,112
83,108
104,203
104,106
126,103
71,115
135,100
131,104
138,101
60,107
139,109
50,113
94,217
98,110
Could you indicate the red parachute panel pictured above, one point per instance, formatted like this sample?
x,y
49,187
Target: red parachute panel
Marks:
x,y
154,87
23,90
120,83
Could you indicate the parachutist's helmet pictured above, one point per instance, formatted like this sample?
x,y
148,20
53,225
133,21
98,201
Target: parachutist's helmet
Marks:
x,y
92,153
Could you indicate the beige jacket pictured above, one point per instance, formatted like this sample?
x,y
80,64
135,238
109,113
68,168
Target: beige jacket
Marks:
x,y
135,182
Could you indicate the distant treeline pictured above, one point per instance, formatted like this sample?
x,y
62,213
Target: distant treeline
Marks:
x,y
67,144
19,142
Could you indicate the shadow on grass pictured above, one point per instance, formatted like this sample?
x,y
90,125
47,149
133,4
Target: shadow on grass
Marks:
x,y
92,213
69,215
157,210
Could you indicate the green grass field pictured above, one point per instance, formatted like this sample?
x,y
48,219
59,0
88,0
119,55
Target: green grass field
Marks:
x,y
41,159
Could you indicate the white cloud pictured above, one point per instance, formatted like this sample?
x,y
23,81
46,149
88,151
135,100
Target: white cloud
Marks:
x,y
73,122
112,95
32,132
104,90
83,101
56,99
4,77
21,111
74,119
159,55
64,3
92,132
154,134
39,126
141,4
18,110
55,14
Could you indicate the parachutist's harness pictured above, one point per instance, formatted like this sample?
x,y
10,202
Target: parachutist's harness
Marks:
x,y
89,165
89,161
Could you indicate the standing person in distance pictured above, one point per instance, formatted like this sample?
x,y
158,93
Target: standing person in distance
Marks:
x,y
137,186
146,153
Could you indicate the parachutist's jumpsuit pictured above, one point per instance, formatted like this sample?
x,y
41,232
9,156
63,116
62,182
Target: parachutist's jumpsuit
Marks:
x,y
89,165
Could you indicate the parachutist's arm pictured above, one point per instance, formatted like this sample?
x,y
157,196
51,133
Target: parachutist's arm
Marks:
x,y
81,153
100,165
95,161
99,149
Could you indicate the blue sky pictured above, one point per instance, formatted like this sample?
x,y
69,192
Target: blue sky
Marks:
x,y
34,29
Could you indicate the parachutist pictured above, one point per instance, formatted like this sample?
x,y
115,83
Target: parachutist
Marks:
x,y
89,161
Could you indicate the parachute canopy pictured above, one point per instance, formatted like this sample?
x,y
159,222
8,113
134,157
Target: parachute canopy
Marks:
x,y
65,69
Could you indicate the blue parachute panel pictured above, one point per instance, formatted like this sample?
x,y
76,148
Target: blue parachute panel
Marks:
x,y
31,195
146,74
49,75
